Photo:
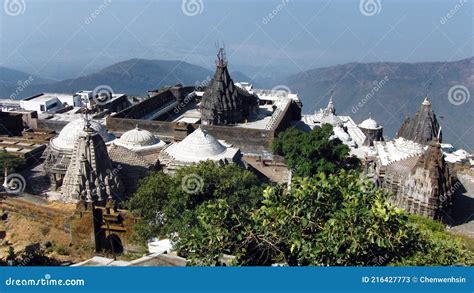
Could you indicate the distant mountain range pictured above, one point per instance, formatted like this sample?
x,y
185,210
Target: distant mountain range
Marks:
x,y
389,91
133,77
11,79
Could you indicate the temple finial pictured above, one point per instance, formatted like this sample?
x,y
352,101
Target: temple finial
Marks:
x,y
330,108
426,101
85,112
221,56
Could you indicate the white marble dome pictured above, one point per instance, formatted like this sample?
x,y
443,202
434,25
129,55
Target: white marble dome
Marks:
x,y
138,138
200,146
369,124
73,130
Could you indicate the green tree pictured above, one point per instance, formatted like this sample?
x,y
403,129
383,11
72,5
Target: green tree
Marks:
x,y
10,162
308,153
168,205
440,248
148,203
334,219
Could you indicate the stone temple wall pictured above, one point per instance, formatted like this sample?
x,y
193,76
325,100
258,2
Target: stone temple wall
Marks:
x,y
54,125
416,196
248,140
164,130
85,227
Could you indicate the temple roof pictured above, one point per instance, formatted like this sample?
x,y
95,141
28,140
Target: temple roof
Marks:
x,y
370,123
423,127
122,155
327,115
323,117
221,102
200,146
74,129
137,139
396,150
90,176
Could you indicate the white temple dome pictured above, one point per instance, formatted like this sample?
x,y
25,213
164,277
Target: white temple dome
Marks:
x,y
73,130
137,138
369,124
200,146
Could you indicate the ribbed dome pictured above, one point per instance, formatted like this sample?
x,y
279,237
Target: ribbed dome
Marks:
x,y
74,129
137,138
369,124
199,145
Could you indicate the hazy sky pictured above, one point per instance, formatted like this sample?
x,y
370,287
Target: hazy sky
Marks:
x,y
69,38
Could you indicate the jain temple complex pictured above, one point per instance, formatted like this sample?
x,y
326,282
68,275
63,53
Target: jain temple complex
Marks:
x,y
91,154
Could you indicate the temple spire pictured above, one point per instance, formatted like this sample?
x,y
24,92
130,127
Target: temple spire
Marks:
x,y
423,127
330,107
426,101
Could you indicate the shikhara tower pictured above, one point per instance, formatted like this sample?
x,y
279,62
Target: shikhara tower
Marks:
x,y
223,103
423,128
90,176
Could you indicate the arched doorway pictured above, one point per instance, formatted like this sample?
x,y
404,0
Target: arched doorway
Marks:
x,y
114,244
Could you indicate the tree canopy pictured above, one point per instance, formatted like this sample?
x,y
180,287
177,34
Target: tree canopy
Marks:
x,y
168,205
308,153
333,219
10,162
327,216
